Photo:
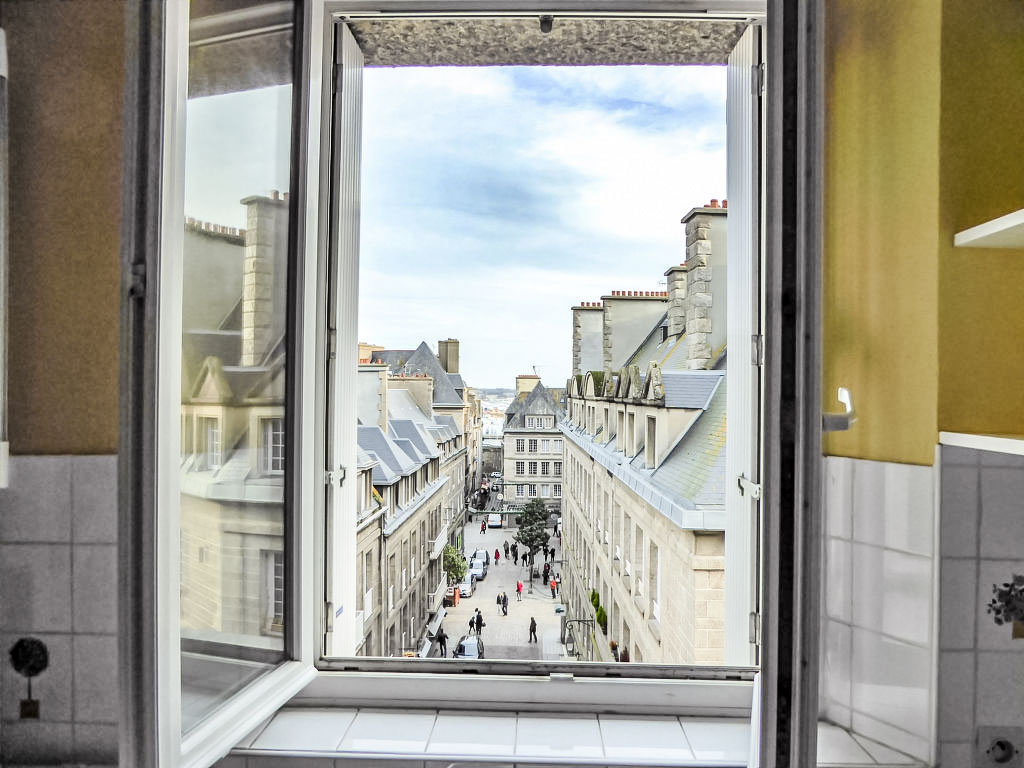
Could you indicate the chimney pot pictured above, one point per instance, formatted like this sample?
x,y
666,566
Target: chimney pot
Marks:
x,y
273,194
713,203
284,196
725,203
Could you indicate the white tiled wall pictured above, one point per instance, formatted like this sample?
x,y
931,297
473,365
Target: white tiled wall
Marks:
x,y
878,628
981,670
58,583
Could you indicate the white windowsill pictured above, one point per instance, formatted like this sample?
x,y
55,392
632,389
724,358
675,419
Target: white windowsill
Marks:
x,y
996,443
1004,232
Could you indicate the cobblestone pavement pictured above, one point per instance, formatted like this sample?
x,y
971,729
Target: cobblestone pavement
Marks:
x,y
506,637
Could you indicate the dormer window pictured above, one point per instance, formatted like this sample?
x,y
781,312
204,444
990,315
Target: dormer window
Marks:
x,y
208,429
650,444
271,445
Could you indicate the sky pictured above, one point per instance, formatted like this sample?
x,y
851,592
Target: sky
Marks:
x,y
493,199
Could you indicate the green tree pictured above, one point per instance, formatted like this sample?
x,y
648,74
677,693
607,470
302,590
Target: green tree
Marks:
x,y
533,532
454,564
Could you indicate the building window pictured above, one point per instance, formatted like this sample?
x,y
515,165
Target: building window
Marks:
x,y
545,446
557,445
520,490
557,490
520,467
533,446
545,491
545,467
272,445
273,601
533,490
533,468
210,446
520,445
650,454
558,469
531,422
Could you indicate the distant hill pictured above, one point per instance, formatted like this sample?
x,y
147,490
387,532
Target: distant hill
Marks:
x,y
497,391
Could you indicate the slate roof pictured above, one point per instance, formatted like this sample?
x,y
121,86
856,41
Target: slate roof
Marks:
x,y
394,462
456,380
416,434
422,360
363,459
695,468
538,402
447,420
402,406
690,389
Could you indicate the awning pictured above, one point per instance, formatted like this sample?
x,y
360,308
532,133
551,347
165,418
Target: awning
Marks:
x,y
435,623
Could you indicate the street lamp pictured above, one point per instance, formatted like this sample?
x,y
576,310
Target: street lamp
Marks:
x,y
570,641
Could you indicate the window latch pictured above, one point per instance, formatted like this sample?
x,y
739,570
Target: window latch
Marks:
x,y
335,477
840,422
746,485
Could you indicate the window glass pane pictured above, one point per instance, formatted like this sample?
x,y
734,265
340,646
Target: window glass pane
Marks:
x,y
234,309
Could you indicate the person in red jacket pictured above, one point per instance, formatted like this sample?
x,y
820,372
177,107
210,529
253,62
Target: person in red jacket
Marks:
x,y
497,556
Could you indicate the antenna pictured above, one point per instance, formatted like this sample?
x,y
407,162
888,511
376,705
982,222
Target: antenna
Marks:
x,y
535,372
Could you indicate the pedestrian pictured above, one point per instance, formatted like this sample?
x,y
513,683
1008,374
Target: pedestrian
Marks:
x,y
479,621
614,646
554,588
442,642
498,602
552,554
519,590
624,655
504,604
497,555
506,550
472,624
547,571
483,526
515,553
533,630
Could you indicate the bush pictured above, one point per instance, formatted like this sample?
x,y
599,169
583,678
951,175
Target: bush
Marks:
x,y
595,599
602,618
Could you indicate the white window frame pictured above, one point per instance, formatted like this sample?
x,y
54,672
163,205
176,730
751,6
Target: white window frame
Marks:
x,y
520,445
520,468
520,491
271,445
531,445
557,490
531,468
532,490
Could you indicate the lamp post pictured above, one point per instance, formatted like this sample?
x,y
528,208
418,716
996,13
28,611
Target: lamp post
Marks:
x,y
570,639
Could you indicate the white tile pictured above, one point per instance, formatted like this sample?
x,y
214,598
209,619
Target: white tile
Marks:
x,y
868,586
837,747
839,580
959,511
558,736
95,743
955,754
37,505
990,636
42,600
653,738
894,738
462,733
389,732
724,739
999,690
891,681
910,508
94,588
1002,516
96,685
958,596
956,695
907,595
94,499
882,753
869,502
50,687
839,496
836,672
308,729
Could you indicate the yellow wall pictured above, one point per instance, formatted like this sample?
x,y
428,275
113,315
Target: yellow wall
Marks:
x,y
66,103
882,225
981,326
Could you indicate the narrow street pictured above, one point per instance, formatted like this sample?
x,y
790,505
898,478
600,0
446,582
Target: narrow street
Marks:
x,y
506,637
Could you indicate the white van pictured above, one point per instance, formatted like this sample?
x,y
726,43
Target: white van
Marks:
x,y
494,520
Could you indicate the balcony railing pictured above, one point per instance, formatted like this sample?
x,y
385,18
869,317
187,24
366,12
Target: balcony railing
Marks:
x,y
435,598
437,546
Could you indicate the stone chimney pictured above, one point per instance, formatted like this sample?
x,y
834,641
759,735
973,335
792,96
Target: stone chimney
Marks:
x,y
448,354
705,284
525,382
628,318
587,321
676,279
420,387
264,275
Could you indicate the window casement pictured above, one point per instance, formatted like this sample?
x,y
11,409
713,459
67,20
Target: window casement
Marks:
x,y
557,468
272,445
545,467
520,445
532,467
210,456
532,446
533,490
545,490
520,467
531,422
272,563
545,445
520,491
557,490
557,445
650,443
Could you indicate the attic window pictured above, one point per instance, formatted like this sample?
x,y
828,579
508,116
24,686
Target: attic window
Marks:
x,y
650,453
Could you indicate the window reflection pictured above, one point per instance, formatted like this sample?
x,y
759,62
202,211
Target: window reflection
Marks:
x,y
234,310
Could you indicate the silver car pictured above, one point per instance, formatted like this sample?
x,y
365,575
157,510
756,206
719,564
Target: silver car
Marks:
x,y
469,647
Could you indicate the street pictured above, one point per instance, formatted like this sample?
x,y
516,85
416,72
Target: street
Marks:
x,y
506,637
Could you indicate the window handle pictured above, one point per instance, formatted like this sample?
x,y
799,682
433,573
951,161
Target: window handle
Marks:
x,y
840,422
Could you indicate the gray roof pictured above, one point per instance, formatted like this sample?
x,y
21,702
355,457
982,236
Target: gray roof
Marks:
x,y
422,360
456,380
373,440
538,402
410,430
401,405
447,420
690,389
695,468
363,459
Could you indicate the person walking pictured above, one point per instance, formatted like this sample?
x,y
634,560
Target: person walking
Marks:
x,y
506,550
552,554
504,604
472,624
498,602
442,642
519,590
479,621
554,588
547,571
533,630
497,555
483,526
515,553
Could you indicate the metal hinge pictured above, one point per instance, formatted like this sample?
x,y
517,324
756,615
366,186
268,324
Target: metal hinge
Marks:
x,y
749,486
757,76
335,476
137,282
335,77
757,349
332,343
754,627
329,617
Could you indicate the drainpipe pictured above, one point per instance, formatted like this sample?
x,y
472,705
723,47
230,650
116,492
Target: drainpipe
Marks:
x,y
4,250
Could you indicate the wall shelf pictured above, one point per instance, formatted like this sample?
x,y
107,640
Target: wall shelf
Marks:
x,y
1005,232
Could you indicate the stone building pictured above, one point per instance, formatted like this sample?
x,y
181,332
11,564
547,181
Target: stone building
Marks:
x,y
532,446
644,501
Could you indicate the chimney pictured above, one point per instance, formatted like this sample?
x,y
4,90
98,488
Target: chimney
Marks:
x,y
705,299
675,278
264,276
586,337
448,354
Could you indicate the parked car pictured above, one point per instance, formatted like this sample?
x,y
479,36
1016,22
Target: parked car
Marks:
x,y
481,554
467,586
469,647
478,569
496,474
494,520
